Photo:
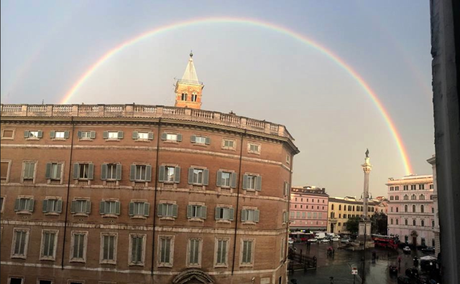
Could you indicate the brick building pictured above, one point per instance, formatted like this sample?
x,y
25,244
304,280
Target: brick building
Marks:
x,y
308,208
142,194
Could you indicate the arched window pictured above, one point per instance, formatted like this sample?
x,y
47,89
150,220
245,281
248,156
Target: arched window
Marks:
x,y
422,223
422,208
414,222
353,208
349,207
184,96
340,207
391,221
405,222
397,221
413,197
397,209
405,208
397,197
332,207
413,208
406,197
391,197
422,197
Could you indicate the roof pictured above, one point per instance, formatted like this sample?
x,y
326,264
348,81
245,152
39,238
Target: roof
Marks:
x,y
190,76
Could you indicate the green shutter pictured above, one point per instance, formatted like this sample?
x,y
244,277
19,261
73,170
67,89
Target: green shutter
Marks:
x,y
73,207
146,209
245,182
132,173
59,206
104,169
40,134
204,212
205,177
233,180
258,184
52,134
117,207
217,213
244,215
16,204
66,134
26,134
190,176
102,207
163,136
160,210
148,174
193,139
161,174
92,134
90,171
177,174
76,171
59,172
31,205
45,206
208,140
219,178
120,134
48,171
135,135
256,216
179,138
105,135
131,209
79,134
119,169
150,135
88,206
174,206
231,213
189,211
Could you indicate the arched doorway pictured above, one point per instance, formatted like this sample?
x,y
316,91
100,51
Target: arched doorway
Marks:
x,y
193,276
414,235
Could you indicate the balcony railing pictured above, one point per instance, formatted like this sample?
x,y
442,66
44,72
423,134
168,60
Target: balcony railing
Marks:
x,y
145,111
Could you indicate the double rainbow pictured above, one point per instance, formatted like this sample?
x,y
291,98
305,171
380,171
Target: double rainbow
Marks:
x,y
261,24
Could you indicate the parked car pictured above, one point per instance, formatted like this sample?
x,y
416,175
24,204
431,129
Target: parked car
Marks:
x,y
325,240
406,249
335,239
345,241
290,241
314,240
428,250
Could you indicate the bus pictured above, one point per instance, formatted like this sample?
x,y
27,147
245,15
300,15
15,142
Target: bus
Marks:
x,y
300,236
385,241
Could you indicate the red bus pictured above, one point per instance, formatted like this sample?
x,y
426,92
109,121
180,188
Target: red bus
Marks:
x,y
301,237
385,241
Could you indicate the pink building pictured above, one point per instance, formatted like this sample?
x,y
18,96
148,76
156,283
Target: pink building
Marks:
x,y
308,208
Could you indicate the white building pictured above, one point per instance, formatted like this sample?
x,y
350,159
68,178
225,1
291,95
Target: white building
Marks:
x,y
411,209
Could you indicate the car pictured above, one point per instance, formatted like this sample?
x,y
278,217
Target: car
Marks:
x,y
412,272
335,239
290,241
325,240
404,280
345,241
406,249
312,240
428,249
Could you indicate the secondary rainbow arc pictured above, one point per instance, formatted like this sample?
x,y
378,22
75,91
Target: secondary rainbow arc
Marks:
x,y
340,62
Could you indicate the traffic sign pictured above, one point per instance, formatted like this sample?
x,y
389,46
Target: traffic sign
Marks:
x,y
354,271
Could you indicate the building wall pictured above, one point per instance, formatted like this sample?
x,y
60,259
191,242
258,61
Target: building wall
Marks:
x,y
405,194
308,210
341,209
268,234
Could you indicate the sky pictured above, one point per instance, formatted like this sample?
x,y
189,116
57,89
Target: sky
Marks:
x,y
252,70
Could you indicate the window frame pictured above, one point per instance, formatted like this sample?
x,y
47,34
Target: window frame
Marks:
x,y
204,176
251,215
8,138
57,209
64,133
206,142
79,168
106,135
42,246
147,174
244,263
51,178
201,208
136,135
90,137
15,277
102,211
174,210
163,175
23,171
256,185
141,262
216,252
72,258
226,147
160,261
254,151
223,208
27,134
30,206
232,179
199,252
145,209
87,206
8,170
115,248
26,243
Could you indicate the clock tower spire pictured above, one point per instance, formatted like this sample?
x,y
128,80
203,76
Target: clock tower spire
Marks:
x,y
188,89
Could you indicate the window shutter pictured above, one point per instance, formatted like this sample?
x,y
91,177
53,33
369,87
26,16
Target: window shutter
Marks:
x,y
135,135
66,134
219,178
150,135
161,173
26,134
163,136
59,171
76,171
73,207
132,173
120,134
131,209
160,210
119,169
45,206
179,137
258,183
205,177
217,213
193,138
190,176
48,171
40,134
244,215
92,134
105,135
189,211
90,171
146,209
177,174
79,134
88,206
231,213
256,216
16,204
245,182
31,205
104,169
148,175
102,207
52,134
208,140
59,206
117,207
233,180
174,207
204,212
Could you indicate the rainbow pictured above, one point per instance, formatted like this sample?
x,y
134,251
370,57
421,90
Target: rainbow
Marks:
x,y
340,62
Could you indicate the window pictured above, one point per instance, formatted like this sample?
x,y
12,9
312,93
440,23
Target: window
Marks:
x,y
196,211
252,182
200,140
139,135
111,172
194,97
286,218
397,197
139,209
166,210
24,205
80,207
109,248
28,172
405,208
392,188
184,96
171,137
1,203
286,189
33,134
198,176
413,187
391,221
7,133
141,173
224,213
78,246
431,186
406,197
288,159
228,144
246,252
194,252
396,188
109,208
252,215
226,179
253,148
48,245
391,209
432,209
169,174
59,135
112,135
332,207
340,207
84,171
20,243
397,221
421,186
414,222
421,197
5,170
166,251
221,249
422,223
137,249
86,135
406,222
52,205
406,187
53,171
391,198
16,280
413,197
397,209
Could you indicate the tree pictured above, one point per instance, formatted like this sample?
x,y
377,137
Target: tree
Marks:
x,y
379,223
352,225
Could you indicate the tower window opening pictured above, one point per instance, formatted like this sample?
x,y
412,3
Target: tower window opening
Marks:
x,y
194,97
184,96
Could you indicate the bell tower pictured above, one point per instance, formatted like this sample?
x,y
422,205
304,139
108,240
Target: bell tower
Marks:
x,y
188,89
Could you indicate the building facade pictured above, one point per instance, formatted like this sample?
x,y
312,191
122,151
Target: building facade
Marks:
x,y
142,194
411,209
308,208
436,228
340,209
